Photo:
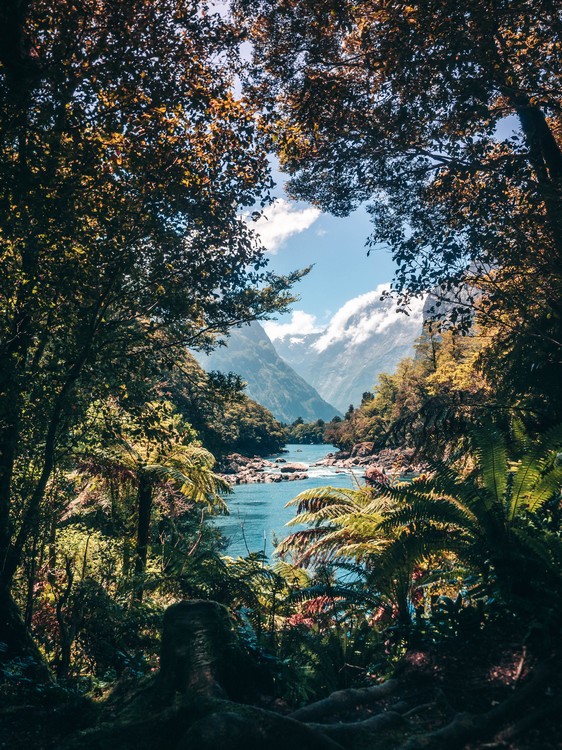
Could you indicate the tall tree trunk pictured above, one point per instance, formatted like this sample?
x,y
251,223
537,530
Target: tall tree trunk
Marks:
x,y
17,646
12,628
31,515
67,625
145,493
545,155
8,448
546,159
31,580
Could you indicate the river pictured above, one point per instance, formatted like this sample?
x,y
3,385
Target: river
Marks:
x,y
258,515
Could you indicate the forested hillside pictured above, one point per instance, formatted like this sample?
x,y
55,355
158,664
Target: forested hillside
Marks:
x,y
429,402
406,612
270,380
225,419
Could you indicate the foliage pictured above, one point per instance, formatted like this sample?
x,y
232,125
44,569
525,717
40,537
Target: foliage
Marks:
x,y
154,443
489,516
225,418
484,518
445,117
428,403
306,433
126,161
345,524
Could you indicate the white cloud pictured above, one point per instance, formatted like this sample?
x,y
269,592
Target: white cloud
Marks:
x,y
364,316
357,320
280,221
300,325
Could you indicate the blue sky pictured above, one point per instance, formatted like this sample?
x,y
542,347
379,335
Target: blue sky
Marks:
x,y
298,235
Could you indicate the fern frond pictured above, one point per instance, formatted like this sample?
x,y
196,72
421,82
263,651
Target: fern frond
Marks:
x,y
321,497
442,511
531,467
548,487
491,454
293,575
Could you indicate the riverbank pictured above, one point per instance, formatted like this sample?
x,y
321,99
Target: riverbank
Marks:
x,y
237,469
259,510
398,461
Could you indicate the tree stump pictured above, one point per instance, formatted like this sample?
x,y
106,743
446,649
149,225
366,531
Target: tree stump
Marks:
x,y
198,646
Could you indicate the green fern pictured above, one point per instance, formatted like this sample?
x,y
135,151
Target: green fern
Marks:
x,y
481,517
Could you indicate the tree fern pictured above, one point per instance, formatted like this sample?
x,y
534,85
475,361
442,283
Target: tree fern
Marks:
x,y
489,450
538,473
481,516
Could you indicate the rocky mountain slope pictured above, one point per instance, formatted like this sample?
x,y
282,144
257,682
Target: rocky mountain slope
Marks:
x,y
365,338
271,381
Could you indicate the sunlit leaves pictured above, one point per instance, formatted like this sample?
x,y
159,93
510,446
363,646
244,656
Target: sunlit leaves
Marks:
x,y
445,118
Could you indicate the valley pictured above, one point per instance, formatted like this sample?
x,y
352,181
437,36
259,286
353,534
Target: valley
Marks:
x,y
318,375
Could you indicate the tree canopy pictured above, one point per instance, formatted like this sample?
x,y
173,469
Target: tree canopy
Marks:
x,y
131,143
125,163
445,117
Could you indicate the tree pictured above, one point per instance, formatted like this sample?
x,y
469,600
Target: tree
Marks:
x,y
445,116
153,451
429,403
125,162
489,515
306,433
346,525
486,516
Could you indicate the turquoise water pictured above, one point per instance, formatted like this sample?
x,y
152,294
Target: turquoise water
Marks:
x,y
258,514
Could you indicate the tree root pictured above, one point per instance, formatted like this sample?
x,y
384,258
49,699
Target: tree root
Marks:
x,y
344,700
467,727
552,706
208,726
183,708
347,732
255,729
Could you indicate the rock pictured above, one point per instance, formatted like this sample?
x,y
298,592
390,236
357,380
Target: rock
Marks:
x,y
374,476
395,460
292,468
237,469
234,463
360,450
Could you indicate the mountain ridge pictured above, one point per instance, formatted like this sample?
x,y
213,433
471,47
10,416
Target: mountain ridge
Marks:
x,y
366,337
271,381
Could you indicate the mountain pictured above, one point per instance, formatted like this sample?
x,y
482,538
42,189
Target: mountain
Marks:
x,y
271,381
366,337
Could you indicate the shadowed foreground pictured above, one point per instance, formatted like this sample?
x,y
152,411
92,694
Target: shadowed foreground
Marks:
x,y
207,695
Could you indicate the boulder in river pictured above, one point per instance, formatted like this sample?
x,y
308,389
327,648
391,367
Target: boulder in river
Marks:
x,y
292,468
360,450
